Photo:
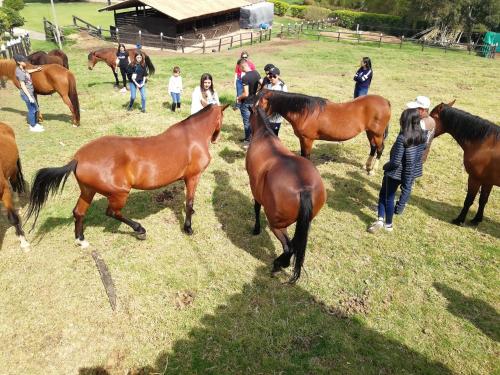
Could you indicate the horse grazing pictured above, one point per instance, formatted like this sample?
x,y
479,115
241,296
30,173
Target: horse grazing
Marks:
x,y
112,165
108,55
480,140
11,172
52,78
318,118
55,56
288,186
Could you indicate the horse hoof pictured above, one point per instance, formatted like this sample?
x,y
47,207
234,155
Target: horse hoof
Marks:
x,y
82,243
371,172
458,222
475,222
140,236
256,231
188,231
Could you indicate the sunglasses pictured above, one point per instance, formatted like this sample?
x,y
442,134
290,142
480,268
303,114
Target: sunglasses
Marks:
x,y
244,56
272,75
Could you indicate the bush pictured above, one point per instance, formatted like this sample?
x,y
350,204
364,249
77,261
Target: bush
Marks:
x,y
316,13
15,19
4,22
298,11
14,4
349,19
280,8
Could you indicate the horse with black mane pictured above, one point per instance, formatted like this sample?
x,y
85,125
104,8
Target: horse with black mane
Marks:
x,y
108,55
288,186
318,118
112,166
55,56
480,140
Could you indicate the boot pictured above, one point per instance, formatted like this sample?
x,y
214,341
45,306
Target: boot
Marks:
x,y
172,107
179,106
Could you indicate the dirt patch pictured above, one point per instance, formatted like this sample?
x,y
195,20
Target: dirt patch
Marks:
x,y
183,299
167,195
348,305
86,41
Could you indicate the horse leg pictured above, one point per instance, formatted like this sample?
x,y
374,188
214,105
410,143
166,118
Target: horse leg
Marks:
x,y
38,112
305,147
472,189
256,228
79,212
379,145
483,199
13,216
116,77
67,101
283,261
115,204
191,183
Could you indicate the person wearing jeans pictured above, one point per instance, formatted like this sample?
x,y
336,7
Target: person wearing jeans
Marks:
x,y
250,82
137,73
27,91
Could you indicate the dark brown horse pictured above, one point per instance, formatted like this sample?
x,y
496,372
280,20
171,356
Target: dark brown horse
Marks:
x,y
55,56
112,166
108,55
288,186
11,175
480,140
318,118
52,78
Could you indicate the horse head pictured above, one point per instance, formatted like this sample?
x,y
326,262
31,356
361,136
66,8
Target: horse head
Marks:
x,y
262,101
92,60
218,126
435,114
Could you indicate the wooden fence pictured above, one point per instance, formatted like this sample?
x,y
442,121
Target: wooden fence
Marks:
x,y
185,45
18,46
325,30
51,31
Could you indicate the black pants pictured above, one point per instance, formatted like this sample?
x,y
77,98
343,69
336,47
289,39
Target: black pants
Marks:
x,y
123,71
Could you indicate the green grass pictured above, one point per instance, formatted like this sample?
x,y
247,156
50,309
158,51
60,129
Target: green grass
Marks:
x,y
420,300
33,14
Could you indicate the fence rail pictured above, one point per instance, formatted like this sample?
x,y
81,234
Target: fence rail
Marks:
x,y
322,30
18,46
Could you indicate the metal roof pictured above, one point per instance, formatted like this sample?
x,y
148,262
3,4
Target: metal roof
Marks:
x,y
182,10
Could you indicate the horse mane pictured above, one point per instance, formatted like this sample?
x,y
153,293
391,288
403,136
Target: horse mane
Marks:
x,y
467,127
284,102
200,112
265,119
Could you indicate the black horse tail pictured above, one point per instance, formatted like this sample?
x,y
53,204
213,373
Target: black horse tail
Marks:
x,y
19,184
47,180
149,63
299,241
73,97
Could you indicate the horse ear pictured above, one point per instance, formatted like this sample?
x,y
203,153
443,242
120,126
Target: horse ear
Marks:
x,y
451,103
224,107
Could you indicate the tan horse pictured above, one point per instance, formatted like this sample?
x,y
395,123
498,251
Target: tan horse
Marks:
x,y
11,175
52,78
288,186
112,166
480,140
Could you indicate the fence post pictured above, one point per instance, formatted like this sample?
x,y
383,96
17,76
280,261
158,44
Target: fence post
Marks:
x,y
380,40
74,21
288,30
182,43
270,32
251,37
359,36
220,43
401,42
471,46
117,35
338,36
231,45
140,37
99,31
260,36
445,47
423,43
281,32
161,40
203,42
241,41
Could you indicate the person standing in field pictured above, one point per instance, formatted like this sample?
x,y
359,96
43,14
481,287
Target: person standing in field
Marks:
x,y
138,75
204,94
400,169
363,77
175,88
250,82
238,75
275,83
27,91
122,62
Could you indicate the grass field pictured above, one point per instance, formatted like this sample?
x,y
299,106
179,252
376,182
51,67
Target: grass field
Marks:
x,y
420,300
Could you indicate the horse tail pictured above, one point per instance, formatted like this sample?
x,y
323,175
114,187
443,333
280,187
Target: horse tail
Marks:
x,y
386,131
299,240
73,96
65,60
47,180
19,184
150,65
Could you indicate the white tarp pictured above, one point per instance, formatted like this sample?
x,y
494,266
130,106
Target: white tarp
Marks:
x,y
255,15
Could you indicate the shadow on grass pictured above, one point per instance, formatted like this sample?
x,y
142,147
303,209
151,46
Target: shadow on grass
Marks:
x,y
478,312
230,156
63,117
271,328
325,152
140,205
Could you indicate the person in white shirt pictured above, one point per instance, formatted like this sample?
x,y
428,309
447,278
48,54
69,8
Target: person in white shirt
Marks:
x,y
275,83
175,88
204,94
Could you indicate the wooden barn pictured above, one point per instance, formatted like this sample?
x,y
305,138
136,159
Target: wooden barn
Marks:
x,y
174,18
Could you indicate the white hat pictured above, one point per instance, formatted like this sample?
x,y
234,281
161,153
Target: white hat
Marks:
x,y
420,102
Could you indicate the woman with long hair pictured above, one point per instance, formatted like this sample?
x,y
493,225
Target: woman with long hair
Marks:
x,y
204,94
138,75
399,170
363,77
122,61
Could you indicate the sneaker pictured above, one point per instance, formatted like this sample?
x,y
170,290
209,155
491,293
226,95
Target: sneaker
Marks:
x,y
376,226
123,90
143,110
388,228
37,128
246,144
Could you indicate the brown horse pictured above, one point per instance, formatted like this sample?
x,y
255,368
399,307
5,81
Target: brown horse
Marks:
x,y
11,172
52,78
318,118
288,186
112,166
108,55
55,56
480,140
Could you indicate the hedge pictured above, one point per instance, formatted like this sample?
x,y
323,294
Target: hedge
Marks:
x,y
280,8
4,22
313,13
14,4
349,19
298,11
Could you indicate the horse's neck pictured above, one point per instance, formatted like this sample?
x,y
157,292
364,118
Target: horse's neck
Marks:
x,y
204,128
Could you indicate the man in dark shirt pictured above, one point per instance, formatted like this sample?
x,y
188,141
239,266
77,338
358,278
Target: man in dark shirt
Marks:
x,y
250,83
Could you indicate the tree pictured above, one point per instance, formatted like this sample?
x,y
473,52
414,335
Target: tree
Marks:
x,y
4,22
14,4
15,19
475,13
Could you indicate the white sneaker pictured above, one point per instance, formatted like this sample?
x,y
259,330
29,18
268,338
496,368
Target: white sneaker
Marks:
x,y
37,128
388,228
376,226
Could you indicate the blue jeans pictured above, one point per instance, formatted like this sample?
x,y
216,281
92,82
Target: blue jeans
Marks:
x,y
386,198
360,91
133,93
239,90
32,109
176,97
245,115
